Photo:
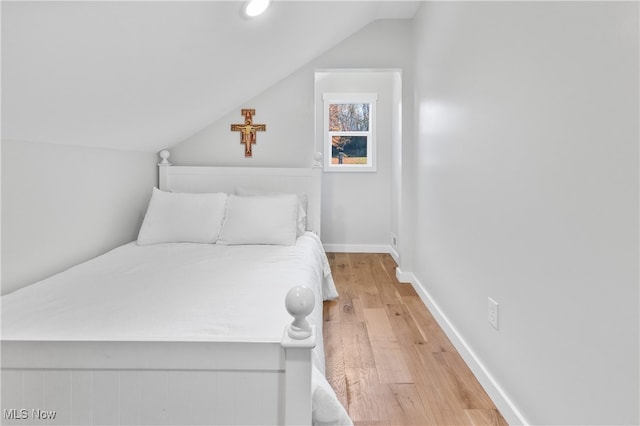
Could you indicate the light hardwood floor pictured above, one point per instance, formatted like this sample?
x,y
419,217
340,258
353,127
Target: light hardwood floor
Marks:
x,y
387,358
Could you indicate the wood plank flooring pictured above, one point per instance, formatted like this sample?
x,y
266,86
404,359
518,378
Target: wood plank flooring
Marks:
x,y
387,358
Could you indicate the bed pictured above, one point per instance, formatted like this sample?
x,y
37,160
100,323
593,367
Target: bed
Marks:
x,y
200,325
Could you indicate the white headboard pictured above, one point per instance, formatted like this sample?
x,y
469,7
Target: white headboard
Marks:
x,y
197,179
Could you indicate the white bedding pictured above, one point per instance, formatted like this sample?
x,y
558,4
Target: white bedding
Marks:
x,y
180,292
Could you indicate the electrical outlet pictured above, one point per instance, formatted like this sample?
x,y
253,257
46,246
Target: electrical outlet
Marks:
x,y
492,312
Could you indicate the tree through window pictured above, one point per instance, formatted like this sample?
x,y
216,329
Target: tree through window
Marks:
x,y
349,131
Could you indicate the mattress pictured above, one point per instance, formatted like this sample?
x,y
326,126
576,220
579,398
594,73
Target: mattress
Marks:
x,y
184,292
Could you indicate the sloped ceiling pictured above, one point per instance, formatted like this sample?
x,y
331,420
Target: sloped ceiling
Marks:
x,y
146,75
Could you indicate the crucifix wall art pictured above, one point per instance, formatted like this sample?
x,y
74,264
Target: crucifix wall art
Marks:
x,y
248,130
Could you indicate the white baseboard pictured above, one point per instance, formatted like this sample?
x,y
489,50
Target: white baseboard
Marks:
x,y
405,277
508,410
357,248
394,253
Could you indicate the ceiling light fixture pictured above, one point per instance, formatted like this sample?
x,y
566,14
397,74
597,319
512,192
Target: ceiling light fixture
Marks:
x,y
256,7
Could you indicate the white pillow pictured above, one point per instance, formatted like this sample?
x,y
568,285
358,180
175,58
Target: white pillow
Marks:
x,y
180,217
302,204
260,219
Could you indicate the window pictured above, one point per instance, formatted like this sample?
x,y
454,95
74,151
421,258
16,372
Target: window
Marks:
x,y
349,131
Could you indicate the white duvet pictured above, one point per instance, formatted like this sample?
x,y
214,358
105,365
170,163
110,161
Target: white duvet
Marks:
x,y
180,292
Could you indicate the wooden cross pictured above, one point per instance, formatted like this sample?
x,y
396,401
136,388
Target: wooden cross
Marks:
x,y
248,129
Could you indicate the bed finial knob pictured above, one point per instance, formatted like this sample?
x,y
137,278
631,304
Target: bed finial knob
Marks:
x,y
317,160
299,303
164,154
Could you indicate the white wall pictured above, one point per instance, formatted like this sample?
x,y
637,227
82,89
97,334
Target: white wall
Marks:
x,y
62,205
350,198
288,110
527,191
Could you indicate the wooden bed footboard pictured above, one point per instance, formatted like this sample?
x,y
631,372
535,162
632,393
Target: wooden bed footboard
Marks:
x,y
160,383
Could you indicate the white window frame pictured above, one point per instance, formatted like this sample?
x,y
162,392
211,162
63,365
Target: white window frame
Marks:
x,y
350,98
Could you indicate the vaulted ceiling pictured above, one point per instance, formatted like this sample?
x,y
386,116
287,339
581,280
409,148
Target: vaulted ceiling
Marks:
x,y
146,75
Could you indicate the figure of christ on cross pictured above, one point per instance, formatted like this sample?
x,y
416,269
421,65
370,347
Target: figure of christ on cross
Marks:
x,y
248,130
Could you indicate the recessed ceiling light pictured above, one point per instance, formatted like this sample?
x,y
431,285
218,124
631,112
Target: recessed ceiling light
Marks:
x,y
256,7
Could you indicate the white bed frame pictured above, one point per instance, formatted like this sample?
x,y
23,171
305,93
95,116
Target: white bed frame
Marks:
x,y
160,383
